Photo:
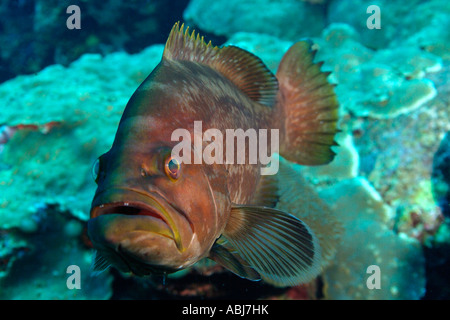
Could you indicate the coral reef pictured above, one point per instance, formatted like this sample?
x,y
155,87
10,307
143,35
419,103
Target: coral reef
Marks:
x,y
403,176
59,234
416,22
229,17
84,108
56,124
388,186
34,33
344,166
372,84
368,241
406,89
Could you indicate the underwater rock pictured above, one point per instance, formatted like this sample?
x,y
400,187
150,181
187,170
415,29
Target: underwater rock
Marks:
x,y
57,122
395,97
84,103
391,13
377,84
34,33
427,26
421,23
409,62
396,156
91,86
28,157
367,241
40,271
441,157
228,17
345,165
11,248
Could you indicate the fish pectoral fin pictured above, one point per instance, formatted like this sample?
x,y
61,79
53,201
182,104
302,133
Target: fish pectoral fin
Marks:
x,y
233,262
99,264
279,246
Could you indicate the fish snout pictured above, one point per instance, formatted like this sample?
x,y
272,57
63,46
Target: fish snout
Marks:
x,y
145,232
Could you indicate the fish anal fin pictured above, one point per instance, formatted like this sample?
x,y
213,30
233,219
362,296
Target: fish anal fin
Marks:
x,y
242,68
279,246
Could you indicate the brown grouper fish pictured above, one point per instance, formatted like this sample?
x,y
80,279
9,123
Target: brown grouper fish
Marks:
x,y
155,214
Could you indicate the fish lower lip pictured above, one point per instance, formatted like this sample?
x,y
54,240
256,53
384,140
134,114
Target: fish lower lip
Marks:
x,y
120,224
155,210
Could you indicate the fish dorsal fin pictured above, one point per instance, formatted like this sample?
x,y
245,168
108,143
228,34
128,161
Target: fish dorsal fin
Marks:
x,y
182,46
242,68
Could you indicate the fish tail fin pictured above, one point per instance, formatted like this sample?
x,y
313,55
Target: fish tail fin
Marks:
x,y
307,108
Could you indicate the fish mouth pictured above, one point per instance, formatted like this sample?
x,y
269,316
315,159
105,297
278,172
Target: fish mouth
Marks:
x,y
126,208
157,223
156,213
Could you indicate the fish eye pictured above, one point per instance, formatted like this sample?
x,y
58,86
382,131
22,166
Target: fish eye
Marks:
x,y
96,169
172,167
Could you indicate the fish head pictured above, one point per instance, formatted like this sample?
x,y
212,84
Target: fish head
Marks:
x,y
150,213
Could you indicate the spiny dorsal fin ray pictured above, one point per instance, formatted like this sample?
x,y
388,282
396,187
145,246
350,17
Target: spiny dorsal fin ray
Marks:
x,y
182,46
241,67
